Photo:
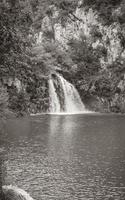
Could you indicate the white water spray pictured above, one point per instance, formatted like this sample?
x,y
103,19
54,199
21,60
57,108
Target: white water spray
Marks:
x,y
71,99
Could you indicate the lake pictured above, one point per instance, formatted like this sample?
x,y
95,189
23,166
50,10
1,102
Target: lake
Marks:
x,y
66,157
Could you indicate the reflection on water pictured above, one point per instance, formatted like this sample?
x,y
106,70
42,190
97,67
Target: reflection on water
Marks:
x,y
67,157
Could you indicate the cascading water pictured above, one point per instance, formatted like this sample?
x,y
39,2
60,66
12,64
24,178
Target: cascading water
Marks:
x,y
54,101
72,101
64,97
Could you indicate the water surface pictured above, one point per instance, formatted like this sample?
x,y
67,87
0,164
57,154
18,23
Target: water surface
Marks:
x,y
67,157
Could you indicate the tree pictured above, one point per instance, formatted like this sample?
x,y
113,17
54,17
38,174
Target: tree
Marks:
x,y
14,28
104,8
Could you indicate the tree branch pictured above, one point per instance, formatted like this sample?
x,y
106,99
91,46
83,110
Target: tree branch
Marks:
x,y
71,13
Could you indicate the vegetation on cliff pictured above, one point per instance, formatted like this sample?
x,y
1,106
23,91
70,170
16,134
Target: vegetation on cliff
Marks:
x,y
82,40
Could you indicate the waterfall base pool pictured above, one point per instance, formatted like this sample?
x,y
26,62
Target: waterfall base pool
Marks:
x,y
66,157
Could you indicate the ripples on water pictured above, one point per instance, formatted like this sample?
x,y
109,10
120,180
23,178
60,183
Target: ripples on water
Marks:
x,y
67,157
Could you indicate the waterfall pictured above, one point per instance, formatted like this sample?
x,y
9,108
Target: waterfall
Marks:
x,y
15,193
64,98
54,101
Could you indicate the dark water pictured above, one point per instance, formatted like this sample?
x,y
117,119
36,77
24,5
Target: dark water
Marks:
x,y
67,157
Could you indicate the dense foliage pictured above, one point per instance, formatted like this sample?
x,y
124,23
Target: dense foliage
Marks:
x,y
26,65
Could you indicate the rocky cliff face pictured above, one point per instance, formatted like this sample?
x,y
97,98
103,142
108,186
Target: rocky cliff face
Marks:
x,y
84,41
102,38
83,23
